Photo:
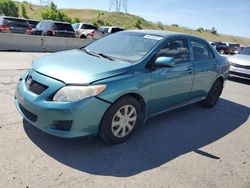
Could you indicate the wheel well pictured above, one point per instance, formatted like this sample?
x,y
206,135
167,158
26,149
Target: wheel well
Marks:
x,y
221,79
82,36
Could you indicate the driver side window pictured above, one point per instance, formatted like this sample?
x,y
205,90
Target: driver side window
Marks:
x,y
178,49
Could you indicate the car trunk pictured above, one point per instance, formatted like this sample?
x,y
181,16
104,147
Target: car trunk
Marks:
x,y
64,30
17,26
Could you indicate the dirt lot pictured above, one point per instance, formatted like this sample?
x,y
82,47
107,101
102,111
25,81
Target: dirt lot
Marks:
x,y
188,147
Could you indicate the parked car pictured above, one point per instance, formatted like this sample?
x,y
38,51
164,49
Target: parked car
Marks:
x,y
106,30
223,48
14,25
227,47
54,28
84,30
33,23
240,64
234,48
213,44
114,84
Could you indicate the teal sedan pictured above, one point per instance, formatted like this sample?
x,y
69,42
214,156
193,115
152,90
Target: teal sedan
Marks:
x,y
111,86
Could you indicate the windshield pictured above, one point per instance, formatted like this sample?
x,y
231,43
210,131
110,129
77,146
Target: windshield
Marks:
x,y
130,46
246,51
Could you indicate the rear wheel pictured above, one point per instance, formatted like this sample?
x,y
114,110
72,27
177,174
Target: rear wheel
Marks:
x,y
213,95
83,37
120,120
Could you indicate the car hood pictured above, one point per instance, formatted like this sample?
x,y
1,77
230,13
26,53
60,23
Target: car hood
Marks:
x,y
240,59
77,67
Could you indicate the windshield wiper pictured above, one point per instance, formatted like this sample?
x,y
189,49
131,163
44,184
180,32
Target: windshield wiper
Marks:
x,y
90,53
98,54
106,56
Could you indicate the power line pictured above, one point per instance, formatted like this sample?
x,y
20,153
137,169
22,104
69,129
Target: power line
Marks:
x,y
118,5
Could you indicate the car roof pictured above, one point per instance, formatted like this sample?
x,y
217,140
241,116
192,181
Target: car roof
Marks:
x,y
55,21
164,33
9,17
110,27
32,20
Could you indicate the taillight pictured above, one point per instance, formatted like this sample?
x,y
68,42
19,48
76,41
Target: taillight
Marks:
x,y
29,30
52,31
4,28
91,34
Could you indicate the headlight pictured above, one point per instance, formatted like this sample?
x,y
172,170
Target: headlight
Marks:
x,y
76,93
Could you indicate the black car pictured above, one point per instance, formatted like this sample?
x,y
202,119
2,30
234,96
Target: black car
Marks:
x,y
54,28
234,48
223,48
14,25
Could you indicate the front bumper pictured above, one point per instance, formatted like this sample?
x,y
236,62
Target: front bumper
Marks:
x,y
85,116
239,72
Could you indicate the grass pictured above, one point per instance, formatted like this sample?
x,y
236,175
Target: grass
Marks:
x,y
128,21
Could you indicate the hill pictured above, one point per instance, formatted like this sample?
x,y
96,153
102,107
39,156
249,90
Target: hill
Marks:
x,y
129,21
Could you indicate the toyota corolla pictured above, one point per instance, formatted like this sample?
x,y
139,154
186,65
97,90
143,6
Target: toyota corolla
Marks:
x,y
111,86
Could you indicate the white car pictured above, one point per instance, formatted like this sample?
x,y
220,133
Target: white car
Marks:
x,y
84,31
240,64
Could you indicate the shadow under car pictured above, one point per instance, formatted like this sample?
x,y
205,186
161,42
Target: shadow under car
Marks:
x,y
157,142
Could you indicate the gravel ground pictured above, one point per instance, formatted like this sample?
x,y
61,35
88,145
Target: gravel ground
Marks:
x,y
188,147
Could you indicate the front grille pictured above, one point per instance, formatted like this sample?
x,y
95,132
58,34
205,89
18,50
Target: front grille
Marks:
x,y
64,125
240,74
240,66
32,117
34,86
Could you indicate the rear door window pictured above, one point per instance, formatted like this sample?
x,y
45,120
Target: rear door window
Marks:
x,y
16,23
105,30
200,51
63,26
87,26
114,30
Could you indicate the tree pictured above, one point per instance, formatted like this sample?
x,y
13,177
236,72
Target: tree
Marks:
x,y
175,25
213,31
23,11
52,13
160,25
75,20
8,8
100,20
200,29
138,23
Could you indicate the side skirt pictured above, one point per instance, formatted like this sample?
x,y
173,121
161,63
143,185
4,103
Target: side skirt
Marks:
x,y
177,106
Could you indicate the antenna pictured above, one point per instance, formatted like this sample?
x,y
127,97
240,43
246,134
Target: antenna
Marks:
x,y
118,5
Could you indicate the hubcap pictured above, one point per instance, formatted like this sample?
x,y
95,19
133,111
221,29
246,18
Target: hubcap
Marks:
x,y
124,121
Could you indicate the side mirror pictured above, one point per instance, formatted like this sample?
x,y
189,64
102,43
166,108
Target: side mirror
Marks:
x,y
164,62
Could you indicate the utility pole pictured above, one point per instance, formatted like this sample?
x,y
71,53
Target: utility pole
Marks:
x,y
118,5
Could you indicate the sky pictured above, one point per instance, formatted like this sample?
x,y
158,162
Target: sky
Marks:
x,y
227,16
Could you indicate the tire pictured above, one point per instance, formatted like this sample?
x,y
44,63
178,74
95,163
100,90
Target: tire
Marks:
x,y
115,127
82,37
222,51
213,95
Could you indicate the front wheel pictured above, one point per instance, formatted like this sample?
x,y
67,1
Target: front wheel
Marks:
x,y
213,95
120,120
